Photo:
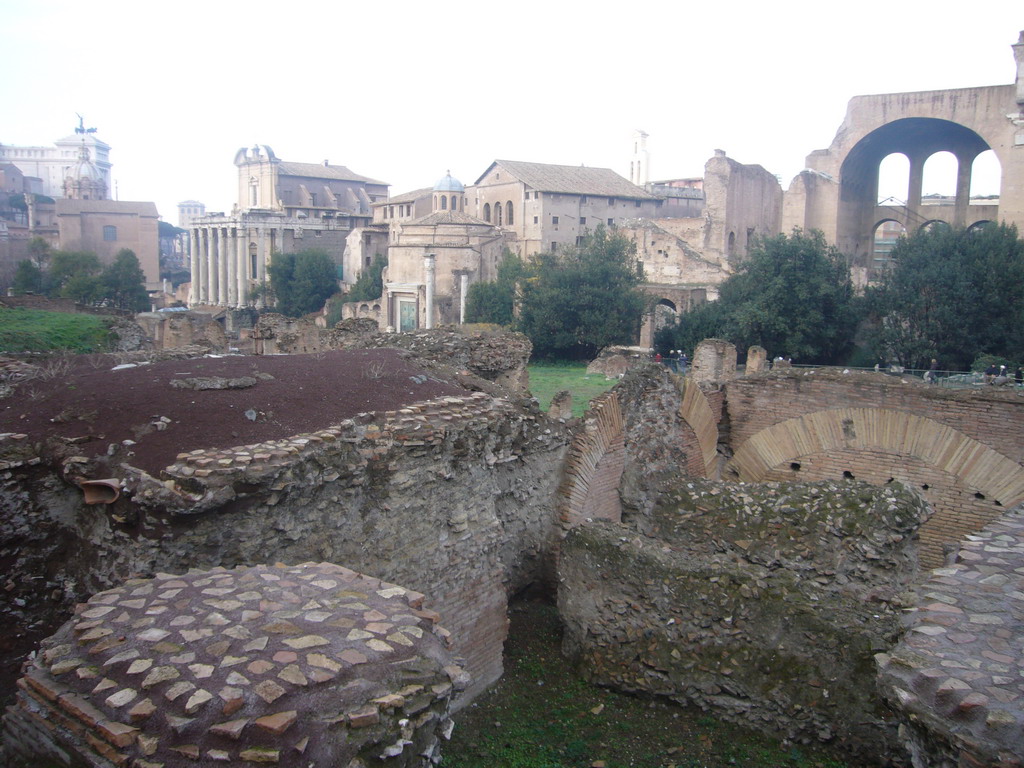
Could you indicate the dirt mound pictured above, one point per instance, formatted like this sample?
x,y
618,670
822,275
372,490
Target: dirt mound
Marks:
x,y
86,404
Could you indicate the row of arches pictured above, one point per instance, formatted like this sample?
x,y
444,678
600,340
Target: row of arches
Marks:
x,y
509,215
888,231
939,176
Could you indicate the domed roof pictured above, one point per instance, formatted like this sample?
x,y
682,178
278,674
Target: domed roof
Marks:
x,y
84,168
449,184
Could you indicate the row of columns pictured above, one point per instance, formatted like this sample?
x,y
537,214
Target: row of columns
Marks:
x,y
221,263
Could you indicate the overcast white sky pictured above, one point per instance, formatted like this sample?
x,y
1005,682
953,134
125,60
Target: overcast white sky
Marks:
x,y
402,91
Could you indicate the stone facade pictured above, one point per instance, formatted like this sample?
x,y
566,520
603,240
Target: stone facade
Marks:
x,y
765,604
283,207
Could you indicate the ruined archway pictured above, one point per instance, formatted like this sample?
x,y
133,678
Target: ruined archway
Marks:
x,y
967,483
918,139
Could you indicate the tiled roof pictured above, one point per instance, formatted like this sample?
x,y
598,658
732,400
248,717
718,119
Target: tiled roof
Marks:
x,y
406,197
321,171
571,180
449,217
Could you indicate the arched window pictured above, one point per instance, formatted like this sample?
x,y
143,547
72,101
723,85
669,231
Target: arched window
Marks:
x,y
731,244
444,202
508,213
986,175
939,177
455,205
886,234
894,180
487,211
497,214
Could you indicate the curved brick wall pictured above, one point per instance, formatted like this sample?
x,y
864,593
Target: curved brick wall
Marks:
x,y
967,482
593,466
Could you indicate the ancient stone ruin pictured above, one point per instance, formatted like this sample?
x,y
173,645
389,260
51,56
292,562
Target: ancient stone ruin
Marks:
x,y
746,543
308,664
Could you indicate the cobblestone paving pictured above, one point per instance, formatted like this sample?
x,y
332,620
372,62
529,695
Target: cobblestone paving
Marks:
x,y
958,670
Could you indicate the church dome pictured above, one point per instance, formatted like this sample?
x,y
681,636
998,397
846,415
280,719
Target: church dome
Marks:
x,y
84,168
449,184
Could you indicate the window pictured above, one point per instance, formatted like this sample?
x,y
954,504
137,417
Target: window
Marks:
x,y
110,234
611,222
554,220
534,219
317,233
579,240
455,205
508,213
611,201
366,260
444,202
583,221
637,203
554,246
583,199
487,211
497,214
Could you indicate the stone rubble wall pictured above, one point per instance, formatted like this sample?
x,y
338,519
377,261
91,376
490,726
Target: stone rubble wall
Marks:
x,y
957,677
763,603
497,357
452,498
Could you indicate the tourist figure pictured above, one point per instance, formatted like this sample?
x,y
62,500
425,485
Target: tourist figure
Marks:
x,y
682,363
1018,376
990,373
932,372
657,357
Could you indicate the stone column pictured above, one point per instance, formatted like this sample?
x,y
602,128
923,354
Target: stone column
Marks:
x,y
428,279
963,189
222,267
193,250
261,261
463,287
231,257
242,271
211,268
914,193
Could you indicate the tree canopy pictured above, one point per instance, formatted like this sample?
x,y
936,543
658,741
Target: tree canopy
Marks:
x,y
79,275
953,295
370,284
494,301
792,295
583,298
302,282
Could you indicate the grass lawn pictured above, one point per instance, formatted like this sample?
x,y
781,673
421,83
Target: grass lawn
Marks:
x,y
541,714
548,379
35,330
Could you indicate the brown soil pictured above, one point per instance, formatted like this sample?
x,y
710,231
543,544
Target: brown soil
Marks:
x,y
90,406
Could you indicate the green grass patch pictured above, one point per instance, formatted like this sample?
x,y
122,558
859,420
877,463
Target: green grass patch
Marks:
x,y
548,379
35,330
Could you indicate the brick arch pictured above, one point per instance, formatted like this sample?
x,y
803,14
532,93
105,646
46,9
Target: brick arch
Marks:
x,y
950,467
978,466
696,411
593,466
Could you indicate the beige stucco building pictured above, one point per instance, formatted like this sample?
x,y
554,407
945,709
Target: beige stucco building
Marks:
x,y
545,206
432,258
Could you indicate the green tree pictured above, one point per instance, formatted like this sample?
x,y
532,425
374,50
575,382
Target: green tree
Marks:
x,y
123,282
370,283
302,282
792,295
583,298
73,275
28,278
494,301
950,294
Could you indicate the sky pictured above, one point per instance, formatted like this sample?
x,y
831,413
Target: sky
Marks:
x,y
404,91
